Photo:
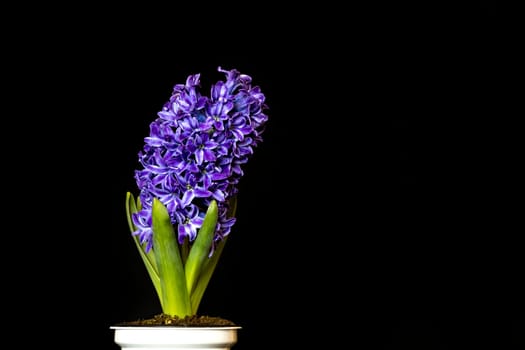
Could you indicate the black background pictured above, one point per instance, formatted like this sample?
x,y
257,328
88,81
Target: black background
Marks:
x,y
379,210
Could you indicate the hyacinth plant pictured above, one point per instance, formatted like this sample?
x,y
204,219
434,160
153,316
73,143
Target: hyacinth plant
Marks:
x,y
191,164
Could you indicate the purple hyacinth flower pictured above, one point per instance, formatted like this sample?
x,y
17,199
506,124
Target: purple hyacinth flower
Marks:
x,y
195,152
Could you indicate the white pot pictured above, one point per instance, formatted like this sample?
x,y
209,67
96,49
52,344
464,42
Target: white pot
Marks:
x,y
180,338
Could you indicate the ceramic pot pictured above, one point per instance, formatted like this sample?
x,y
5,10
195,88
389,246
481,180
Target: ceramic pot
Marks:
x,y
180,338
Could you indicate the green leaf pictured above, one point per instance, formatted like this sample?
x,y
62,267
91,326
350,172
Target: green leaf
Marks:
x,y
201,246
147,258
175,298
207,271
209,265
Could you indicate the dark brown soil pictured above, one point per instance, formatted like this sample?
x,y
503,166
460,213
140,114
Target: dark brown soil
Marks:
x,y
174,321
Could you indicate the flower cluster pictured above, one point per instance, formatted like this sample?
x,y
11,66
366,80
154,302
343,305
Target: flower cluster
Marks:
x,y
195,152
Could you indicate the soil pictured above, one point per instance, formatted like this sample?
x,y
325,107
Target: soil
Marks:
x,y
174,321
